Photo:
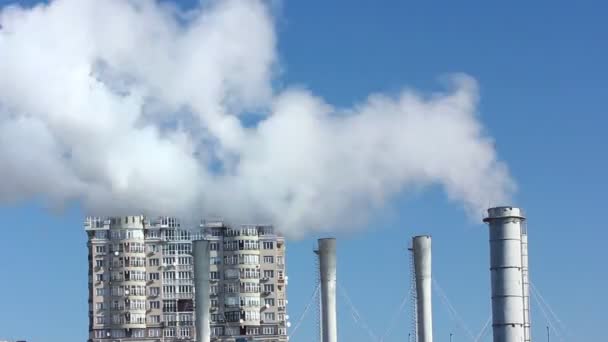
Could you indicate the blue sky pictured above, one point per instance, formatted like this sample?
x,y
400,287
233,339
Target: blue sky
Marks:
x,y
542,74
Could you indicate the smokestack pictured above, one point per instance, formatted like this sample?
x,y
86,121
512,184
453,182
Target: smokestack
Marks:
x,y
327,271
200,252
421,248
507,253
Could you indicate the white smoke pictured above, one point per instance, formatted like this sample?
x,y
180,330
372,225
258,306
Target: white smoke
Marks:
x,y
135,106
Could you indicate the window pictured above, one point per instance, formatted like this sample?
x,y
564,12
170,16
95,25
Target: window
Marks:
x,y
100,333
281,316
217,331
100,249
268,259
231,273
184,275
169,275
154,319
282,331
184,289
153,276
232,316
268,245
98,306
155,304
268,316
268,274
118,333
101,234
249,259
100,320
184,332
213,289
169,306
138,333
214,275
155,332
268,330
99,291
99,263
231,259
230,288
268,287
280,260
99,277
153,262
169,333
215,260
154,291
281,302
214,303
214,246
269,301
252,315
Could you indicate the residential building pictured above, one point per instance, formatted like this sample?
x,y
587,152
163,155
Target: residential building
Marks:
x,y
141,286
248,283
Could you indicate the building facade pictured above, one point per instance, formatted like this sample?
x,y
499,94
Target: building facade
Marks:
x,y
141,284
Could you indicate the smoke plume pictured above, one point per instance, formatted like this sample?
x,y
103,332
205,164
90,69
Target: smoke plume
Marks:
x,y
137,106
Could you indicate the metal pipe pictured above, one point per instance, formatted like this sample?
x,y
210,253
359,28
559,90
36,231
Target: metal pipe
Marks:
x,y
421,246
505,225
202,301
327,271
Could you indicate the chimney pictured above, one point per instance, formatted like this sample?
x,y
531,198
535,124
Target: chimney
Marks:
x,y
509,274
421,249
327,272
200,252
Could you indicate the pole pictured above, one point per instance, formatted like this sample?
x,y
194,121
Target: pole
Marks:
x,y
548,333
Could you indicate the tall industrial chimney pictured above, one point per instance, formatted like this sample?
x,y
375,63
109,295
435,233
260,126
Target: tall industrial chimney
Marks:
x,y
421,249
509,274
200,252
327,272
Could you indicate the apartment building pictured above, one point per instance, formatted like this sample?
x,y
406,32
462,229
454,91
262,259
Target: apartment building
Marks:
x,y
248,283
141,286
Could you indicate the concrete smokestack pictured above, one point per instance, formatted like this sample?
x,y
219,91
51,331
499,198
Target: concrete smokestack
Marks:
x,y
509,307
421,248
327,271
200,252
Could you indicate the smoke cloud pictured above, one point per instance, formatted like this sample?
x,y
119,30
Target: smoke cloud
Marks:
x,y
136,106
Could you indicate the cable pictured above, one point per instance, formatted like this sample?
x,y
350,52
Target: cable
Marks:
x,y
561,325
396,315
452,310
547,317
312,300
484,330
356,316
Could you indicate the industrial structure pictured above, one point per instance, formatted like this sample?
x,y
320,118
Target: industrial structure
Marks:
x,y
509,274
141,284
202,285
421,251
327,276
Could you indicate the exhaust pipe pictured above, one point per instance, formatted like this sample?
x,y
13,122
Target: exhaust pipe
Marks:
x,y
421,248
327,272
202,301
